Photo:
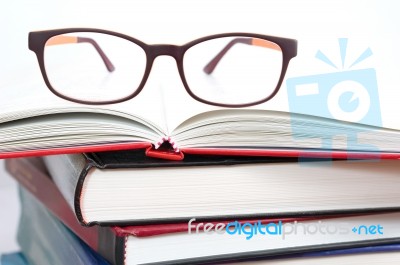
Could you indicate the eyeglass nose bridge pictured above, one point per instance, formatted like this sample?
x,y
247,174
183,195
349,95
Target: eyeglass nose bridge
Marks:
x,y
165,49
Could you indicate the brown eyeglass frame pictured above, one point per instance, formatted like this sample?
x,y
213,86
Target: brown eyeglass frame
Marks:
x,y
38,39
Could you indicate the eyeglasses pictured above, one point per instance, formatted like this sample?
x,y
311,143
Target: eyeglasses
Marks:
x,y
94,66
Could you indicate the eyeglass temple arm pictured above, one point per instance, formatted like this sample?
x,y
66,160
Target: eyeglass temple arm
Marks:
x,y
57,40
209,68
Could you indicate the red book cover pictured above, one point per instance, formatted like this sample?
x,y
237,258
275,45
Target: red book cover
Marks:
x,y
179,155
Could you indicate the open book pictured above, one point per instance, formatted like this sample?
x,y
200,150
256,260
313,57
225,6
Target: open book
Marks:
x,y
64,129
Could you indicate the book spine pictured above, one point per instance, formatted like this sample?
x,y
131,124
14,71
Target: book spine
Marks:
x,y
68,173
41,186
164,154
78,194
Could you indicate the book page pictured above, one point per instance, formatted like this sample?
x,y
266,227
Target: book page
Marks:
x,y
73,129
241,129
180,107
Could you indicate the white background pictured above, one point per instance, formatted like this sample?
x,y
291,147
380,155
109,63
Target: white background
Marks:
x,y
316,24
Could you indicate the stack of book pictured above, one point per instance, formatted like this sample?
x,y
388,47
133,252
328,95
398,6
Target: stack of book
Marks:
x,y
123,207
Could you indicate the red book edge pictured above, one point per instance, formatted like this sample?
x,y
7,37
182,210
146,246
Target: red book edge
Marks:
x,y
172,155
76,149
292,153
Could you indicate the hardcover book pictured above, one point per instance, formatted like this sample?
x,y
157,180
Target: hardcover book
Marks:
x,y
111,242
135,245
127,187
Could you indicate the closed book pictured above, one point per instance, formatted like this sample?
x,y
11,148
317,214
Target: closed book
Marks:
x,y
119,188
174,244
111,242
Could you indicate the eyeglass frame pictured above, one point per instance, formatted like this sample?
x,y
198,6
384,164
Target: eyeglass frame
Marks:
x,y
37,42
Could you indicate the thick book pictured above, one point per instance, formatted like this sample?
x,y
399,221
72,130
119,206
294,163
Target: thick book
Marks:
x,y
253,132
158,244
111,242
127,187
